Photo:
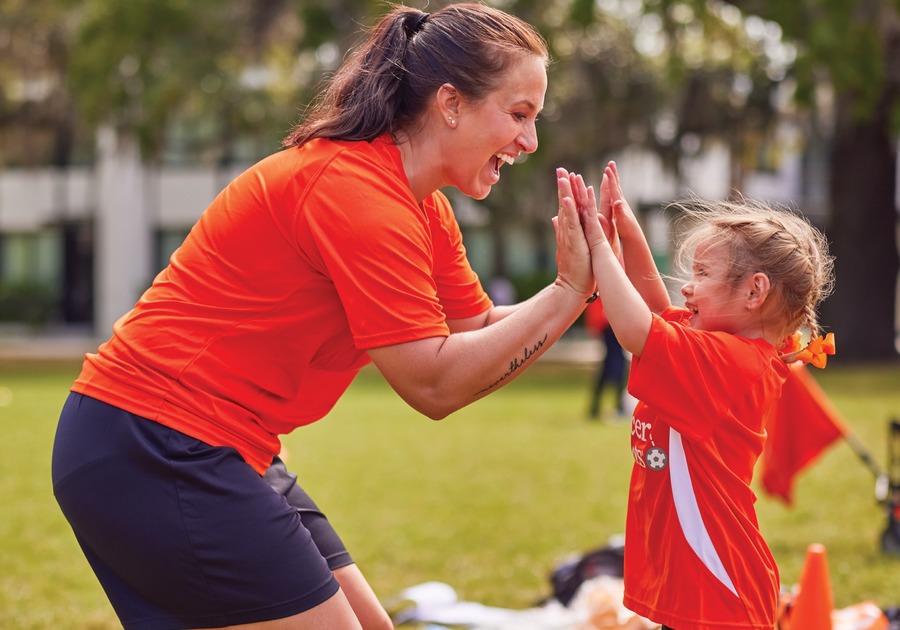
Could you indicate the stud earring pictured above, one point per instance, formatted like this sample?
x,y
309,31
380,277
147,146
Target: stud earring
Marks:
x,y
452,122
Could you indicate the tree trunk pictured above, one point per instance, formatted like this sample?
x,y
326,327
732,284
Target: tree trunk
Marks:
x,y
863,232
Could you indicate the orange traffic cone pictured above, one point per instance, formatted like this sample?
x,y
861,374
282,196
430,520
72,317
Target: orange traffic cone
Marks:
x,y
813,604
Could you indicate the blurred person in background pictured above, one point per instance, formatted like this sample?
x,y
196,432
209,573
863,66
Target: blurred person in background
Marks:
x,y
613,369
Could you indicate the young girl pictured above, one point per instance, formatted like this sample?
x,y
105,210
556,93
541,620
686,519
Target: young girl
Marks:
x,y
706,376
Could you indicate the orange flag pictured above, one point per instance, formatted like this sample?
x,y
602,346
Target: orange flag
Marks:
x,y
802,425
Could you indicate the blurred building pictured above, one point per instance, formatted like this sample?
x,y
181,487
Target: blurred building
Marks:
x,y
78,245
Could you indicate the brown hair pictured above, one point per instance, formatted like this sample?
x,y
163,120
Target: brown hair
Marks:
x,y
386,83
770,239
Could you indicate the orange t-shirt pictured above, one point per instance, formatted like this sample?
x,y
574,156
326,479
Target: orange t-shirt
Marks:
x,y
694,555
263,315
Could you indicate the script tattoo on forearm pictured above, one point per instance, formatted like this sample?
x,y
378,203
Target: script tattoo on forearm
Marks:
x,y
515,364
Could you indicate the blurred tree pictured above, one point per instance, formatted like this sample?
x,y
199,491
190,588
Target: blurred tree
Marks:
x,y
626,73
208,70
670,75
223,80
600,89
37,125
849,62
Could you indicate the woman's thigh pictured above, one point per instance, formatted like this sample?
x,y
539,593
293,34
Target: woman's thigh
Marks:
x,y
179,532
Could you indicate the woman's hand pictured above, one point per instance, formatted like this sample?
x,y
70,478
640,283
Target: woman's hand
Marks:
x,y
575,194
573,258
628,315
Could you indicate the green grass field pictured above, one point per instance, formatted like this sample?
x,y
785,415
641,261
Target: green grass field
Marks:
x,y
488,500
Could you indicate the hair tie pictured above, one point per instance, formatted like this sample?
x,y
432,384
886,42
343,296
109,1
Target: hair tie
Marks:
x,y
416,25
815,352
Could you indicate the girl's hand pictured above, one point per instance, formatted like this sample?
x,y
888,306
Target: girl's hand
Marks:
x,y
606,212
623,219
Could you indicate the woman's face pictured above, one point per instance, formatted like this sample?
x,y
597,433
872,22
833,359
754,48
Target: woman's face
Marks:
x,y
497,130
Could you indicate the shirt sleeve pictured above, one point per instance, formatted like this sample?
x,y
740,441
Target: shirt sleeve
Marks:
x,y
458,286
373,242
693,377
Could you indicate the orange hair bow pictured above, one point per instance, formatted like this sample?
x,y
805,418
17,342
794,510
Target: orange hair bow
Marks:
x,y
815,352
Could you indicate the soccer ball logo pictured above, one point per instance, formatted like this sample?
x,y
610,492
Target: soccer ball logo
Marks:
x,y
657,458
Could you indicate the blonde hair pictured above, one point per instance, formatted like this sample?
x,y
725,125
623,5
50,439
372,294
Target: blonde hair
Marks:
x,y
770,239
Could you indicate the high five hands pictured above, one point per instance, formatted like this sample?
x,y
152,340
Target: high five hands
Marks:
x,y
599,224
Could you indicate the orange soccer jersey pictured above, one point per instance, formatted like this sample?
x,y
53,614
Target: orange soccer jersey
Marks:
x,y
262,317
694,555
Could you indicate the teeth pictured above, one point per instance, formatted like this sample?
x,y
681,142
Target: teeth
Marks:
x,y
506,158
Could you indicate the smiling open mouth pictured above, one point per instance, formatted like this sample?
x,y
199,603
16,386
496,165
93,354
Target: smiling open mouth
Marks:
x,y
499,159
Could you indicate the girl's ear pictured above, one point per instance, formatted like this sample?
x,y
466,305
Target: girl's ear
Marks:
x,y
759,290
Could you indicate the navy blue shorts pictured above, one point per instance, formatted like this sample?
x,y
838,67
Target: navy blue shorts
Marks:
x,y
180,533
327,540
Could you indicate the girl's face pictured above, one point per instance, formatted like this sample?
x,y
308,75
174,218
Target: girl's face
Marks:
x,y
497,130
717,303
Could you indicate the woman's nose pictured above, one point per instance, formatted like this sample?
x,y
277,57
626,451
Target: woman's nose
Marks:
x,y
528,140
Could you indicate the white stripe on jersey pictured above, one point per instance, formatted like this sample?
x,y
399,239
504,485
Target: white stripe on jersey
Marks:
x,y
689,512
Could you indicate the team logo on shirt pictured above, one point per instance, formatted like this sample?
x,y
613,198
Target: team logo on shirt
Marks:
x,y
656,458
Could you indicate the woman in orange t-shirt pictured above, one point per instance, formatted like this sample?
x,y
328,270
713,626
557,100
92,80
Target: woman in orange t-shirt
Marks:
x,y
336,251
706,376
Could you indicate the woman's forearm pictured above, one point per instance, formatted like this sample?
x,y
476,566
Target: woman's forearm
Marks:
x,y
440,375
